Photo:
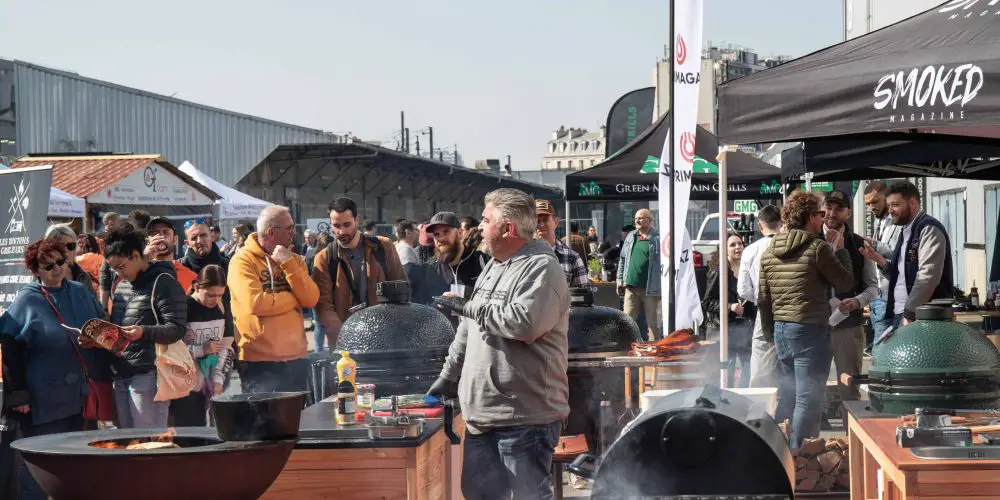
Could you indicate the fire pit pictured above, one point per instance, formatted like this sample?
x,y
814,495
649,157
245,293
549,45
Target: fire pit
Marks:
x,y
191,462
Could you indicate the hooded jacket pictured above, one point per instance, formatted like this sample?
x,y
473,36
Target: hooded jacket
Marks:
x,y
434,278
335,298
796,273
267,299
510,353
39,363
164,326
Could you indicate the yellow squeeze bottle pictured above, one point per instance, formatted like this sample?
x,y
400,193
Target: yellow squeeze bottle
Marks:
x,y
347,390
347,369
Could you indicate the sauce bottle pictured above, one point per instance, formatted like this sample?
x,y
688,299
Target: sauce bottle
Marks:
x,y
347,393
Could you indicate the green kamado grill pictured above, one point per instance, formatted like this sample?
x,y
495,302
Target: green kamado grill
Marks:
x,y
934,362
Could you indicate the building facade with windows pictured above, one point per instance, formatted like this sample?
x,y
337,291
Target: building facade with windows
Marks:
x,y
574,149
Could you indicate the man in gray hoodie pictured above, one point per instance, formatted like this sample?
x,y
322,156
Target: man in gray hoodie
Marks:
x,y
508,362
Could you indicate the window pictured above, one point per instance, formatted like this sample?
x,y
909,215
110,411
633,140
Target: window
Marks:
x,y
949,208
548,165
575,146
591,162
558,165
569,164
552,147
563,147
586,145
597,144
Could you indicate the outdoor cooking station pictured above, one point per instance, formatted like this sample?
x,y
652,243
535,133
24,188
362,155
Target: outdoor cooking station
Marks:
x,y
342,462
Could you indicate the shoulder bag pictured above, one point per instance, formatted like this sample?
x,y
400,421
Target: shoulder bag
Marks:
x,y
176,371
99,402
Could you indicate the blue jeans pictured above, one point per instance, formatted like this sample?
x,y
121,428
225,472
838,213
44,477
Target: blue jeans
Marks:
x,y
804,355
273,376
509,460
134,401
877,318
319,334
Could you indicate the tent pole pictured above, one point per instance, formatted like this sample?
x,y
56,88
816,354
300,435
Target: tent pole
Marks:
x,y
671,213
723,273
568,226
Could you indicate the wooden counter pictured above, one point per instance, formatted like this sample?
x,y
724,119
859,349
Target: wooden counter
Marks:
x,y
875,457
359,468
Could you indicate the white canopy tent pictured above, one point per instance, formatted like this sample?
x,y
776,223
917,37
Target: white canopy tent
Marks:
x,y
62,204
234,205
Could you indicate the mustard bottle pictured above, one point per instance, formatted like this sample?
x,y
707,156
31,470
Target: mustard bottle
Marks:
x,y
347,389
347,369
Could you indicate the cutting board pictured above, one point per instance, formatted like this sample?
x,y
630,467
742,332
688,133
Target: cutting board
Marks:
x,y
421,412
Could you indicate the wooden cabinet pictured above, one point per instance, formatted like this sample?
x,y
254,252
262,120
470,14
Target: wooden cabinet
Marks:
x,y
880,468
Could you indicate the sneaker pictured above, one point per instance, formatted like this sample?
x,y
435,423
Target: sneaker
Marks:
x,y
578,482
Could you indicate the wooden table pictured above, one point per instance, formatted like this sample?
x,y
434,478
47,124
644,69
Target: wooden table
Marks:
x,y
427,468
875,457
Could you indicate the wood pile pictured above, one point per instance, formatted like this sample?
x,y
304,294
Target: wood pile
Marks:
x,y
822,465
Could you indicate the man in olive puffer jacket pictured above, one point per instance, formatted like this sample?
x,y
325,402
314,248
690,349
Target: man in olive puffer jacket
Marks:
x,y
797,273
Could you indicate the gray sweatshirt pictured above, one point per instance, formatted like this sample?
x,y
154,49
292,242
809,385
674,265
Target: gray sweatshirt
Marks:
x,y
510,353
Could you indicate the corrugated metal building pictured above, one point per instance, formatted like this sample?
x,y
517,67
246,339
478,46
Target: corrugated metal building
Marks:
x,y
55,111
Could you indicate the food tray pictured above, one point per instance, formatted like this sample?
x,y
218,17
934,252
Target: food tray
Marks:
x,y
410,431
633,361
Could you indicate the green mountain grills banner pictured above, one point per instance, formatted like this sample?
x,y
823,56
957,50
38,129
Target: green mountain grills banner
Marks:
x,y
704,185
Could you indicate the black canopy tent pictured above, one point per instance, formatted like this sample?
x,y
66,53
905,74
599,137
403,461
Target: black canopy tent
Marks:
x,y
913,99
630,174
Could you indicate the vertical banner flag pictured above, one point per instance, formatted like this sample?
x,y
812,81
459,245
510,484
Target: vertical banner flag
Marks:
x,y
680,156
26,191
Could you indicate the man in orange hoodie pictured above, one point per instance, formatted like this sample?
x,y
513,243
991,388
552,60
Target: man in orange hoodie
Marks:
x,y
269,288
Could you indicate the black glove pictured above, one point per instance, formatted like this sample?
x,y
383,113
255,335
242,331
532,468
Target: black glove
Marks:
x,y
443,389
451,304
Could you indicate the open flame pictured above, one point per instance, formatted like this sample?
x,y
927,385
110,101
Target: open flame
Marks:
x,y
167,438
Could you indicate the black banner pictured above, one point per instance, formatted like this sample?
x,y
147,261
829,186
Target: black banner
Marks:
x,y
629,116
704,188
26,191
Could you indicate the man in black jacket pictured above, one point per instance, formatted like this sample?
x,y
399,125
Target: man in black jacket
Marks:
x,y
156,313
201,250
455,266
848,336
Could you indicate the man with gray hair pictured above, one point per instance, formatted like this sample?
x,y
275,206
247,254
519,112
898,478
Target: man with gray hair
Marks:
x,y
508,362
269,287
639,273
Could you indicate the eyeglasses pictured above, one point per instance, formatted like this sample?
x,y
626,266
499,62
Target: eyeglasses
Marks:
x,y
52,265
121,266
191,222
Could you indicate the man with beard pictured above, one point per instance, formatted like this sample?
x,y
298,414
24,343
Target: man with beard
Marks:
x,y
508,361
269,287
455,266
201,248
848,337
920,267
886,235
570,261
161,242
348,271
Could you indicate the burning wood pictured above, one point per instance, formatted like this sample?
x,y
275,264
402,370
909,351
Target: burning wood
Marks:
x,y
157,442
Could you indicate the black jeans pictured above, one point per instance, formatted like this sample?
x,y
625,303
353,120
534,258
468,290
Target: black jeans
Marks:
x,y
273,376
510,460
189,411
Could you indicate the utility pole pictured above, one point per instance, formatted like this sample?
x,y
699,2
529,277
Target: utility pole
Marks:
x,y
402,130
418,145
455,159
406,139
441,156
430,148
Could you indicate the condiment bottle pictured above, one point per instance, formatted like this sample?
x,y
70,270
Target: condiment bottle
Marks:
x,y
347,404
974,296
347,369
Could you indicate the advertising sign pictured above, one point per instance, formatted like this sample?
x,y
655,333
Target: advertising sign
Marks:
x,y
26,191
151,185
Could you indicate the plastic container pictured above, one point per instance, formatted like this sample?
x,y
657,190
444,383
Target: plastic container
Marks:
x,y
366,395
768,396
347,369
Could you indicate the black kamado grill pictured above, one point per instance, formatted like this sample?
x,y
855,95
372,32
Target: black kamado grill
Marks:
x,y
399,346
595,334
702,443
934,362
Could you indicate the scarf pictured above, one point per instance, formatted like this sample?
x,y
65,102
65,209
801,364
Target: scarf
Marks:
x,y
195,262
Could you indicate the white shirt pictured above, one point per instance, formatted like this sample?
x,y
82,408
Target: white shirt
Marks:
x,y
886,234
749,275
407,254
899,293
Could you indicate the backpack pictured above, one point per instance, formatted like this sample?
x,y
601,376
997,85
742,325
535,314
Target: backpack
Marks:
x,y
380,257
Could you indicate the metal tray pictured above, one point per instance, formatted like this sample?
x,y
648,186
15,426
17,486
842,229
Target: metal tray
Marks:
x,y
976,452
412,430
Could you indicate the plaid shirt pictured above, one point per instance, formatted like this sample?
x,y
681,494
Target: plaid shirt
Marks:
x,y
572,264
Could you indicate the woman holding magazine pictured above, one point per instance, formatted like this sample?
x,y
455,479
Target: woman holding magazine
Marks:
x,y
43,363
209,337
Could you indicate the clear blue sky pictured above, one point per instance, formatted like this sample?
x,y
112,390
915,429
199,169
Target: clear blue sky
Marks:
x,y
493,77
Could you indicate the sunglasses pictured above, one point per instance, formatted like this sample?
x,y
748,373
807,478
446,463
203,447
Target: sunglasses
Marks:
x,y
52,265
191,222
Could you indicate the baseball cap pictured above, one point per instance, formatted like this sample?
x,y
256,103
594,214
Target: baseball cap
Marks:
x,y
159,220
443,219
837,197
544,207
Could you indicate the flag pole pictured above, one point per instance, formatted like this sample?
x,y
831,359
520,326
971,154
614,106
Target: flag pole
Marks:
x,y
672,271
723,271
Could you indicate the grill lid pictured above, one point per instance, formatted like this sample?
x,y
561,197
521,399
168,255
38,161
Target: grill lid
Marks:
x,y
395,324
597,328
935,347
